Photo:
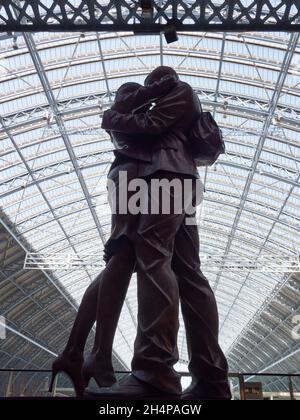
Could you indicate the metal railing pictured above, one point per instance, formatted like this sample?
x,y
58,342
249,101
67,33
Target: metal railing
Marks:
x,y
35,383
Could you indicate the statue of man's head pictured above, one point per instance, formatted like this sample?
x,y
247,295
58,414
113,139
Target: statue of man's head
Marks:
x,y
159,73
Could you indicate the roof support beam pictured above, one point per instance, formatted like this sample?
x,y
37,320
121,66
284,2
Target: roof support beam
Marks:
x,y
104,68
28,339
35,180
264,243
55,284
207,15
268,122
278,361
62,128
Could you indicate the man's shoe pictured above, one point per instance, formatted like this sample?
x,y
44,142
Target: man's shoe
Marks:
x,y
129,388
207,391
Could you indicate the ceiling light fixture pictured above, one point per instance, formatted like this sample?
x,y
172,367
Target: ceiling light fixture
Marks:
x,y
170,33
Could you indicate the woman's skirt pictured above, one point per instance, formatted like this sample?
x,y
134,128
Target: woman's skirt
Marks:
x,y
123,223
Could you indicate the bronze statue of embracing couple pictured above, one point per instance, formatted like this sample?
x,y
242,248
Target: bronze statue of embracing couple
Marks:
x,y
149,126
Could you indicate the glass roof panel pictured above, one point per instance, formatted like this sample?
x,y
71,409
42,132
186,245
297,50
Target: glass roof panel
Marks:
x,y
252,199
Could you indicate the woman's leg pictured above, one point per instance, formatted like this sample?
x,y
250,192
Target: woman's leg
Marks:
x,y
120,258
111,294
123,264
109,289
71,360
85,319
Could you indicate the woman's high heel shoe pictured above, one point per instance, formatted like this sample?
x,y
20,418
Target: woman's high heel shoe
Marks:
x,y
102,372
72,368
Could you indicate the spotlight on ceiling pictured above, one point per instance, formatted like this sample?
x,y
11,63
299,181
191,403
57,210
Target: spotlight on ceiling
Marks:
x,y
15,43
147,9
171,34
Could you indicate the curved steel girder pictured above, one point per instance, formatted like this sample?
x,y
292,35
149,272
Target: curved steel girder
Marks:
x,y
257,341
267,365
243,335
227,276
239,238
272,335
105,151
11,357
244,303
283,338
38,351
141,71
61,161
41,192
230,332
215,222
23,299
250,111
38,179
263,40
60,291
253,296
89,110
230,205
116,54
228,138
123,52
263,245
72,213
57,175
227,164
23,333
39,311
250,233
105,157
292,45
78,211
122,55
250,342
246,232
47,325
273,219
47,89
285,365
104,192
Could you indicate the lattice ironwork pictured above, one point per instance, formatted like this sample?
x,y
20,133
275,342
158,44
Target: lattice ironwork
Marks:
x,y
185,15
